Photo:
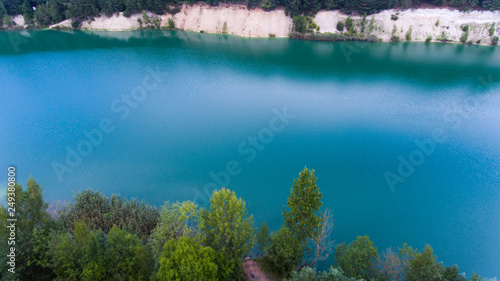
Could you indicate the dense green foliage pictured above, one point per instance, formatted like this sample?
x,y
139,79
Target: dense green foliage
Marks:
x,y
100,212
100,238
310,274
91,255
32,220
263,238
284,252
51,11
303,217
229,231
185,259
176,220
357,259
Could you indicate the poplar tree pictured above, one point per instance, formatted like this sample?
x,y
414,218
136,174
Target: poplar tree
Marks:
x,y
303,217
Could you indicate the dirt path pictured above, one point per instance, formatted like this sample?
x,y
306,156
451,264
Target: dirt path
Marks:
x,y
253,272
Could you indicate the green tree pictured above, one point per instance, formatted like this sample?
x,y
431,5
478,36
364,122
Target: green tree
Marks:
x,y
408,33
32,218
184,259
176,220
229,231
266,5
263,238
284,252
65,254
477,277
357,259
363,24
299,24
130,259
303,217
494,41
90,255
451,273
349,23
101,212
340,26
424,266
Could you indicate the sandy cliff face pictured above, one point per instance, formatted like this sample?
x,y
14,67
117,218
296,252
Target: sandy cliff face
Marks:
x,y
423,23
232,19
238,20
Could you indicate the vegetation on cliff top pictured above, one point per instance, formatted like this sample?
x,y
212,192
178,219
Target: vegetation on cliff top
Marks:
x,y
45,12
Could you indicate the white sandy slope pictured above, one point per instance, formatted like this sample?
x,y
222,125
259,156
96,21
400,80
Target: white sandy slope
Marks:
x,y
239,20
19,20
423,23
211,19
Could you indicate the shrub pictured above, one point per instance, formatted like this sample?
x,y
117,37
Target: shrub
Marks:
x,y
465,27
300,24
464,36
76,23
443,37
284,252
171,23
494,41
437,23
357,258
266,4
492,29
7,21
371,25
340,26
184,259
349,23
310,274
363,24
272,35
224,27
394,38
408,33
394,17
428,39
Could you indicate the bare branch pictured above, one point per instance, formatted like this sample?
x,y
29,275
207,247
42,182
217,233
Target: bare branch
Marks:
x,y
322,244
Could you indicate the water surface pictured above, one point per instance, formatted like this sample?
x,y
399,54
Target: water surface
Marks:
x,y
357,109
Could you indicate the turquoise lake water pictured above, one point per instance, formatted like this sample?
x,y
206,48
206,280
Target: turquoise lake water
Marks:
x,y
172,115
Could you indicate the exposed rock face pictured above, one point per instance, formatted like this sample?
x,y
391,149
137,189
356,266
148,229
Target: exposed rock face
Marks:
x,y
236,19
239,20
423,23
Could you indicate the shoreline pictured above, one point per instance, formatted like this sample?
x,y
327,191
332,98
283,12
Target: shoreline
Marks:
x,y
439,24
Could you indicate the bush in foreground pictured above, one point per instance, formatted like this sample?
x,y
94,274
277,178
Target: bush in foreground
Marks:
x,y
185,259
284,252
